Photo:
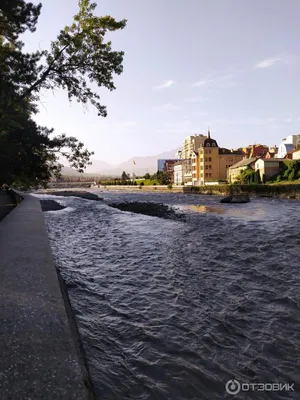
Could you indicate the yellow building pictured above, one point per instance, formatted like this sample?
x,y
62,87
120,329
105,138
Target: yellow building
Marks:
x,y
210,162
191,144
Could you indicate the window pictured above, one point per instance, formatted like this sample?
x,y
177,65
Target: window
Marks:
x,y
206,175
207,145
213,145
209,175
205,159
209,159
209,167
206,166
209,151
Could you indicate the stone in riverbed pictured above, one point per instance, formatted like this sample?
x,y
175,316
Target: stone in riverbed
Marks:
x,y
51,205
236,199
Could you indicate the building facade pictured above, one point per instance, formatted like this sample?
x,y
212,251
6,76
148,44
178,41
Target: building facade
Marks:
x,y
211,162
255,150
285,150
163,165
191,144
268,167
183,172
296,155
292,139
235,170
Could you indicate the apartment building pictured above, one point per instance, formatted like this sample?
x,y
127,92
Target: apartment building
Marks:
x,y
211,162
191,144
183,172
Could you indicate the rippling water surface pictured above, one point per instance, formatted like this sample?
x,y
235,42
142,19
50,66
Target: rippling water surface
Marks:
x,y
172,310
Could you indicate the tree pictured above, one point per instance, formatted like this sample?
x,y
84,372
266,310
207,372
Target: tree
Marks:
x,y
147,175
124,176
163,178
78,57
249,176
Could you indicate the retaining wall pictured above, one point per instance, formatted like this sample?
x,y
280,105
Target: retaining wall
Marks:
x,y
40,357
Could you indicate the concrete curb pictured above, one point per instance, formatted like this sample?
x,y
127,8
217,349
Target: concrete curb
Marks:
x,y
39,349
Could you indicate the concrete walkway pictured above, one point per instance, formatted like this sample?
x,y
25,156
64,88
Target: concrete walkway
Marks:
x,y
39,355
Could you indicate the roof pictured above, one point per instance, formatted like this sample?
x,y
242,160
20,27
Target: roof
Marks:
x,y
222,150
272,159
244,163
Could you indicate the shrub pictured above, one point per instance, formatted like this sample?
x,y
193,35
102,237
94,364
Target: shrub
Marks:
x,y
142,184
135,184
170,186
154,184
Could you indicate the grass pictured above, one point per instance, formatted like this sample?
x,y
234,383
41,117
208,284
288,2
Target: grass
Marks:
x,y
147,182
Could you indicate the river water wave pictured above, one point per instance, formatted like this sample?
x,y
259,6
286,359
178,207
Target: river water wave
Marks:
x,y
173,310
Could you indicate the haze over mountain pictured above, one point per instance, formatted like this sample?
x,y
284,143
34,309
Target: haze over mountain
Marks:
x,y
141,166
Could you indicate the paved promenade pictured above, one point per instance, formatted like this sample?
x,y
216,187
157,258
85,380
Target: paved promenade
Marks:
x,y
39,354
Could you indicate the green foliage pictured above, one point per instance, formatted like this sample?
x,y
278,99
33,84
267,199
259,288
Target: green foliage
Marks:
x,y
147,176
79,57
142,184
249,176
163,178
291,170
124,176
170,186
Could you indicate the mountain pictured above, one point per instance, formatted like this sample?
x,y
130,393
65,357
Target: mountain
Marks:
x,y
141,166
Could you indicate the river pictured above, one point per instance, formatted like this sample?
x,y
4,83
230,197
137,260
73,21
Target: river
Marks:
x,y
173,310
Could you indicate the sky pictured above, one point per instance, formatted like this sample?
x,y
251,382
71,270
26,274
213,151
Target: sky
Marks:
x,y
229,65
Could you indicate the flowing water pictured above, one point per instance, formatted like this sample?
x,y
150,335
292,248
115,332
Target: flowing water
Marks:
x,y
173,310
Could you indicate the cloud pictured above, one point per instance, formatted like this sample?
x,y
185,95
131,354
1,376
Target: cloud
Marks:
x,y
170,106
194,99
203,82
267,63
165,85
218,81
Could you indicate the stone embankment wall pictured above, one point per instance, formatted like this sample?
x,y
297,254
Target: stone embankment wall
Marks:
x,y
39,345
272,191
7,203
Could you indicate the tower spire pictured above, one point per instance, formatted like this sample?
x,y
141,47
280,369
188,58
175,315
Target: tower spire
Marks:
x,y
208,133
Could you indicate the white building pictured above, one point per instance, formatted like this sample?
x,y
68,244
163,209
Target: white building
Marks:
x,y
292,139
284,149
183,172
296,155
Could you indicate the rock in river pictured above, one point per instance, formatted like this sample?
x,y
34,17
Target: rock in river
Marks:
x,y
236,199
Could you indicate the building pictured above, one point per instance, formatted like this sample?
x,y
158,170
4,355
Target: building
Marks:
x,y
273,151
178,154
162,164
269,167
191,144
235,170
183,172
285,150
210,162
296,155
255,150
292,139
167,166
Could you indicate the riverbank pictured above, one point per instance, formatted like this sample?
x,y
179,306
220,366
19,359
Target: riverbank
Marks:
x,y
273,191
41,356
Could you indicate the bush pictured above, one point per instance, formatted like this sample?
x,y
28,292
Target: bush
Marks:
x,y
135,184
169,186
142,184
154,184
